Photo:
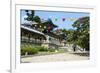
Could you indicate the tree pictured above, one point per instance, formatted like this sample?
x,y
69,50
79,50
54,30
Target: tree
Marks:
x,y
31,17
30,14
81,33
37,19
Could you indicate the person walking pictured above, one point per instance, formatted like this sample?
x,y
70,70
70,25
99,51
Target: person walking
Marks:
x,y
74,47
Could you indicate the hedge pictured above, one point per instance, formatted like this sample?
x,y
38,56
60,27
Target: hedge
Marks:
x,y
31,50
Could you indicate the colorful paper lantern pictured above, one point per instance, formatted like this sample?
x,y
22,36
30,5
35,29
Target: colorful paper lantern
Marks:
x,y
49,27
63,19
56,19
72,19
44,27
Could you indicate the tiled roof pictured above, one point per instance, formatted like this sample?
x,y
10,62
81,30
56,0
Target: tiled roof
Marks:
x,y
32,30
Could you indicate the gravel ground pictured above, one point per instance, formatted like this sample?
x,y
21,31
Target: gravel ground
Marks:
x,y
54,58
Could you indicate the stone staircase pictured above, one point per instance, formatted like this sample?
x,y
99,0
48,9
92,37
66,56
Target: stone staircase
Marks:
x,y
69,48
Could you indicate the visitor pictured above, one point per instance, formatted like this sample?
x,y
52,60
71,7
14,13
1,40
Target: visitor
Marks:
x,y
74,47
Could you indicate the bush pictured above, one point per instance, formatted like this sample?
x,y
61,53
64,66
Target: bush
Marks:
x,y
29,50
51,50
42,49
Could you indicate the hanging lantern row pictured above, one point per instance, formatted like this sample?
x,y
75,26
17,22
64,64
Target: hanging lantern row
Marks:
x,y
63,19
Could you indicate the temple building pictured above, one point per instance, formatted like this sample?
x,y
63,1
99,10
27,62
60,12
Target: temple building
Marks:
x,y
32,34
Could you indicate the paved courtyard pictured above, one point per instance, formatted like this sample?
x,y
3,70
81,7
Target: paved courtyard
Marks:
x,y
54,58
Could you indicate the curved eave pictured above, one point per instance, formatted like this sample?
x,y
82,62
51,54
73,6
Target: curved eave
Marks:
x,y
32,30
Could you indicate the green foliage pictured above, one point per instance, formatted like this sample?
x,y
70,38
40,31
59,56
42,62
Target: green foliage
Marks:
x,y
30,15
37,19
42,49
70,36
29,50
51,50
81,34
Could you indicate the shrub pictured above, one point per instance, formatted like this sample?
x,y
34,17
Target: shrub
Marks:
x,y
29,50
51,50
42,49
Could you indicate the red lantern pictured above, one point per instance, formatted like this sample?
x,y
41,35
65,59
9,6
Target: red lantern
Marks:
x,y
49,27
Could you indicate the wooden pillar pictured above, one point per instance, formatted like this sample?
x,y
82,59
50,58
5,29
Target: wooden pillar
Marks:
x,y
28,37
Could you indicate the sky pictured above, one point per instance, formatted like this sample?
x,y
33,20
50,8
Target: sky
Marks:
x,y
57,17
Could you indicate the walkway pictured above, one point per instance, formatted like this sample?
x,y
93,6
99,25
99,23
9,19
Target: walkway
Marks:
x,y
53,58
